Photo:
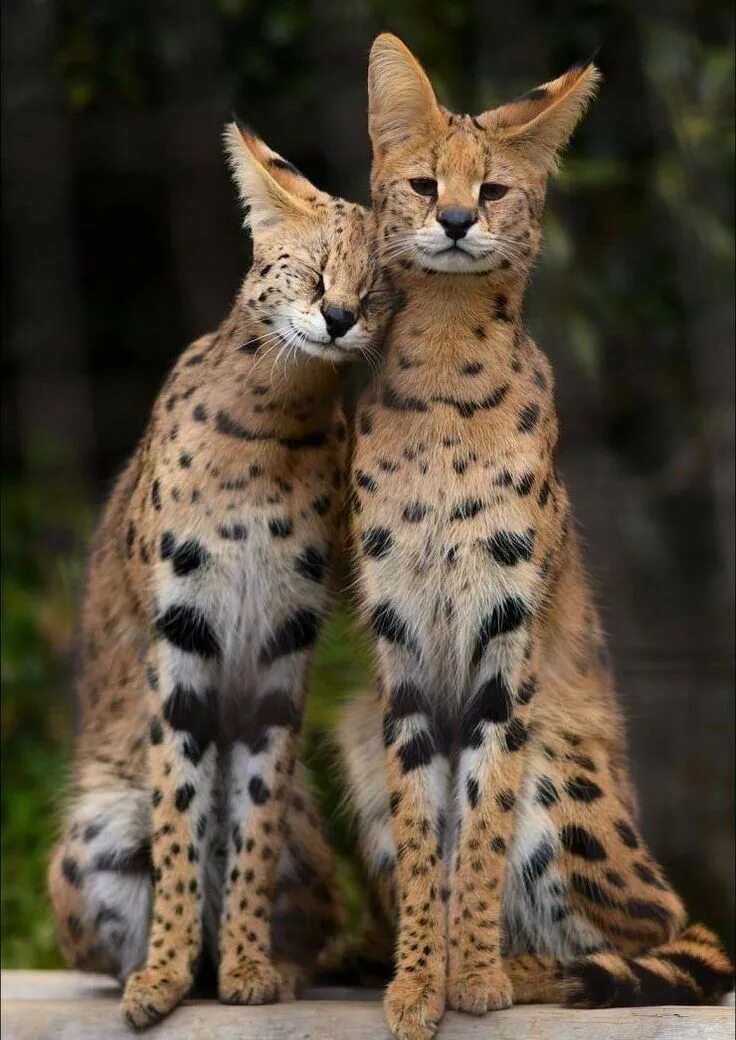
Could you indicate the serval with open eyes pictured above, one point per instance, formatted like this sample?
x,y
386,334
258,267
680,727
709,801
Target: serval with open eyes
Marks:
x,y
208,584
502,828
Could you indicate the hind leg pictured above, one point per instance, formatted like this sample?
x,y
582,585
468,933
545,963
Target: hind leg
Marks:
x,y
581,879
100,881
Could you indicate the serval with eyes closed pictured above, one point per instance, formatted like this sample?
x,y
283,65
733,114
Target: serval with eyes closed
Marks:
x,y
210,577
502,829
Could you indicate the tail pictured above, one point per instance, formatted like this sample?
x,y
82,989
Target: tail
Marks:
x,y
691,969
694,968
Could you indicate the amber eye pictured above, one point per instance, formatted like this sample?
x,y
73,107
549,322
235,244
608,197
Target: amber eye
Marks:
x,y
490,192
424,185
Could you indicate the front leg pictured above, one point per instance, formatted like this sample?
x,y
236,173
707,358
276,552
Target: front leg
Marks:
x,y
264,743
417,769
183,674
494,735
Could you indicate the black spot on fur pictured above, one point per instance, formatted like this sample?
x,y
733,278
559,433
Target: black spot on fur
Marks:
x,y
537,863
511,547
311,563
296,633
528,418
365,423
506,617
644,909
275,709
72,873
258,791
280,527
506,800
626,834
583,789
492,703
467,509
580,842
516,735
592,890
168,545
187,628
183,797
543,494
199,413
546,792
398,403
417,752
365,481
229,427
526,483
188,557
389,625
501,308
473,792
414,512
156,495
472,368
377,542
186,711
527,690
156,732
321,506
233,532
136,860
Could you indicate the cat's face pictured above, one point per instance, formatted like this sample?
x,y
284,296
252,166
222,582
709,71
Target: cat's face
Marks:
x,y
463,194
315,281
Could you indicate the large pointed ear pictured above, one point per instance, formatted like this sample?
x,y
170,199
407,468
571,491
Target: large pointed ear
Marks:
x,y
270,187
541,122
401,102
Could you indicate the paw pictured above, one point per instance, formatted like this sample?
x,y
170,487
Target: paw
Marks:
x,y
479,990
414,1005
250,982
151,994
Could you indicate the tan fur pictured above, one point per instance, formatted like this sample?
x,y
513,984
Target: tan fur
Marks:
x,y
504,821
209,577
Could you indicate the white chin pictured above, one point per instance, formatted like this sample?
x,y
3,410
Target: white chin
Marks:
x,y
324,351
455,261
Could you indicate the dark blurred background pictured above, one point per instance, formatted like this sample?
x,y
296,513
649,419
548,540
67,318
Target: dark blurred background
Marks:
x,y
122,242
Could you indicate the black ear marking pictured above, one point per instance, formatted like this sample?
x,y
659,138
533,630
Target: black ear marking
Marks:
x,y
284,164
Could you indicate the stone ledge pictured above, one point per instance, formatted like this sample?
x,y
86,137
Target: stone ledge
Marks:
x,y
58,1005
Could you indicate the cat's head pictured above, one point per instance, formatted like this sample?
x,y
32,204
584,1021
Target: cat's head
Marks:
x,y
463,194
314,283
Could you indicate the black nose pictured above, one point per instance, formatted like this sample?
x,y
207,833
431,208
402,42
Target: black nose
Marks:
x,y
456,221
338,320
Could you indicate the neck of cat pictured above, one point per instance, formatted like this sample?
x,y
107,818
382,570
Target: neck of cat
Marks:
x,y
264,380
454,325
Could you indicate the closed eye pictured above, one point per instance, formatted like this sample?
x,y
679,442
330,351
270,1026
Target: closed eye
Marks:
x,y
319,288
490,191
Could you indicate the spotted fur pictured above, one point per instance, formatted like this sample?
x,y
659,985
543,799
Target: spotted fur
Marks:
x,y
209,580
488,773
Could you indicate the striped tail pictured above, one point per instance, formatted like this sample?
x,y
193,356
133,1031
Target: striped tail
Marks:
x,y
694,968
